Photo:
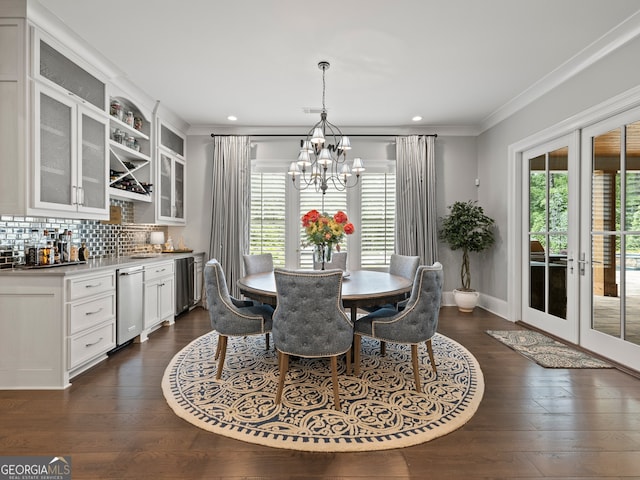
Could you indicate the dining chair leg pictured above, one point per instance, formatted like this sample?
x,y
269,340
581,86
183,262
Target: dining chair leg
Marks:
x,y
431,357
283,364
416,370
266,340
348,356
334,378
383,348
217,355
222,343
357,339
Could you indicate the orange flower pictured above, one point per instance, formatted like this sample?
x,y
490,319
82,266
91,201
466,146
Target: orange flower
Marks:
x,y
340,217
349,228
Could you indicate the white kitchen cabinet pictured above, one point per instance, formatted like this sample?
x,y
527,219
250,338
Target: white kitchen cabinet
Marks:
x,y
70,156
53,140
91,317
54,326
170,179
159,296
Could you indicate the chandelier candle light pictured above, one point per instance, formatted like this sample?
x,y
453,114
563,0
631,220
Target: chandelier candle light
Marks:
x,y
327,162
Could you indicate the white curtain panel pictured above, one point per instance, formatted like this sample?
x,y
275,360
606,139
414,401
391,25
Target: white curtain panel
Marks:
x,y
230,205
416,221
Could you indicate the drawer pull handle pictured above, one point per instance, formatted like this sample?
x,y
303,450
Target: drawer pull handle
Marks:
x,y
93,313
93,285
94,343
161,270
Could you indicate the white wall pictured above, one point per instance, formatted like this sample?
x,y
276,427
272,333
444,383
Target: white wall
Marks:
x,y
615,74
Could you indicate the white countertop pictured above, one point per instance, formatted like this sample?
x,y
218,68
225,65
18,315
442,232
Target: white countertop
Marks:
x,y
95,265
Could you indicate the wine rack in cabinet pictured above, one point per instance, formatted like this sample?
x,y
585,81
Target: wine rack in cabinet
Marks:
x,y
129,152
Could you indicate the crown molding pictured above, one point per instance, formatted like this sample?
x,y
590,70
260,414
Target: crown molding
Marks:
x,y
609,42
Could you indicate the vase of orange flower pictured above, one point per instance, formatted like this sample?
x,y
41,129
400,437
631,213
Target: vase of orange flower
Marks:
x,y
324,232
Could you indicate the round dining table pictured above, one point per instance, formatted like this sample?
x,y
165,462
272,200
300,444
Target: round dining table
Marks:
x,y
360,288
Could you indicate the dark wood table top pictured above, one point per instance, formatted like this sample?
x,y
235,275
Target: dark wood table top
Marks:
x,y
360,288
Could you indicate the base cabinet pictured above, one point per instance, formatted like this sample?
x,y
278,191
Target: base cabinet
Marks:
x,y
159,296
53,327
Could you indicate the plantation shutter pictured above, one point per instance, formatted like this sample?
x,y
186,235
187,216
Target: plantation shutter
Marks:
x,y
309,200
268,211
377,219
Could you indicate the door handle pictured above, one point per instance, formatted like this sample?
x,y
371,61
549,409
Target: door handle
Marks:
x,y
582,262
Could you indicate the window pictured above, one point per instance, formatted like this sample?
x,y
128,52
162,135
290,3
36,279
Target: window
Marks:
x,y
277,206
268,215
377,219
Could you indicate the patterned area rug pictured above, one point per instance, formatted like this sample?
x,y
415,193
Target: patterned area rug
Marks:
x,y
380,409
546,351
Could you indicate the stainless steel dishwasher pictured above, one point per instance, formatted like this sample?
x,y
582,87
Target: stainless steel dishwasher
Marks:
x,y
184,274
129,295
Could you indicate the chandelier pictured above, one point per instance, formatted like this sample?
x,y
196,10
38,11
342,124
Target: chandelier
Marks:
x,y
323,156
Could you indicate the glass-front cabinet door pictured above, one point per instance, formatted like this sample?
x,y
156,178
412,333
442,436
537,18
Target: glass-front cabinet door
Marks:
x,y
54,152
92,162
70,157
172,189
171,177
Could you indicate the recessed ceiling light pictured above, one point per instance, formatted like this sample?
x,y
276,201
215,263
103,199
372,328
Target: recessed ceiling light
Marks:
x,y
417,118
232,118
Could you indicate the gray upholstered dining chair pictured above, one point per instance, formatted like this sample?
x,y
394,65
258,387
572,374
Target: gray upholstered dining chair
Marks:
x,y
309,321
228,319
415,324
338,260
257,263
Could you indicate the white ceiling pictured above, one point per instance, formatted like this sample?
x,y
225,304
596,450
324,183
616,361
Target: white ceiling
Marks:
x,y
461,63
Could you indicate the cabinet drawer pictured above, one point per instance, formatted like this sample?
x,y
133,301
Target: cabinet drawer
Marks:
x,y
86,286
83,315
86,346
159,270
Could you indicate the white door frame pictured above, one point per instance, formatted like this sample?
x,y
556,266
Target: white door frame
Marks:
x,y
618,104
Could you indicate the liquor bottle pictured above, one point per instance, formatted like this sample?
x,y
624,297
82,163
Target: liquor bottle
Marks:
x,y
31,248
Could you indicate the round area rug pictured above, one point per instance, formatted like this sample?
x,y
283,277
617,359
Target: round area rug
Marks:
x,y
380,409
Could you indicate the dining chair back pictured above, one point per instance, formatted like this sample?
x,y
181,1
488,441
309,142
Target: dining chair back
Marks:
x,y
415,324
338,260
309,321
403,265
228,319
257,263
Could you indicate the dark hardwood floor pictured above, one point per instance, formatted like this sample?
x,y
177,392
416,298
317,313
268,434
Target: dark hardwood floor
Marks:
x,y
533,422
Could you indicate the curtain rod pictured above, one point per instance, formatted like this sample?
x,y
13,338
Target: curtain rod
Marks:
x,y
304,134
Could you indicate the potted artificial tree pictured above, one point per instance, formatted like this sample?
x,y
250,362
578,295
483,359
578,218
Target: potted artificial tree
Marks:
x,y
466,227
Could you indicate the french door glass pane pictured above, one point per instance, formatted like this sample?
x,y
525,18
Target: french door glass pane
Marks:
x,y
55,151
548,227
605,269
93,162
631,284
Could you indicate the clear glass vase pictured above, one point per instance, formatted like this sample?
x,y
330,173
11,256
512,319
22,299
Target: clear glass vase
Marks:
x,y
322,253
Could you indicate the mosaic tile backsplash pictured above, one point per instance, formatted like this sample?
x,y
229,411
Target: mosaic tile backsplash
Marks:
x,y
103,240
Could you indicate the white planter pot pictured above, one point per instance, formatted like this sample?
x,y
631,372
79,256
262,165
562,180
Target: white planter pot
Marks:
x,y
466,301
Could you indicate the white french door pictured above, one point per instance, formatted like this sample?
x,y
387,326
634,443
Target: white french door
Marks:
x,y
610,234
550,227
581,237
